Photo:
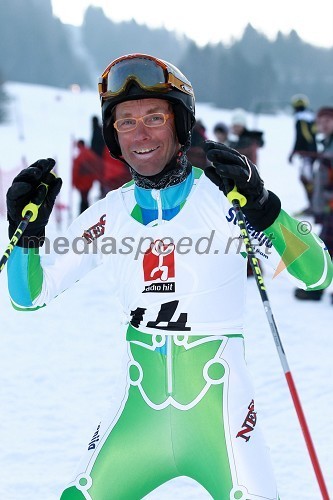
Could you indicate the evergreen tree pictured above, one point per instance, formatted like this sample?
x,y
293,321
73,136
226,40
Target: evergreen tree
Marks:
x,y
35,47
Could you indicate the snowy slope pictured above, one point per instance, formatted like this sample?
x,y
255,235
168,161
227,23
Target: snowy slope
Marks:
x,y
59,365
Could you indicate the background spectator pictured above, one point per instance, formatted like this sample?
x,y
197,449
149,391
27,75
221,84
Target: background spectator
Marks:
x,y
221,131
115,173
246,141
85,171
112,173
305,143
196,154
322,202
97,145
97,140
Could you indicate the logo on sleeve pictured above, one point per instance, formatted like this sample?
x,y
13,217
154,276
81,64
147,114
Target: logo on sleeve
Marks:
x,y
95,231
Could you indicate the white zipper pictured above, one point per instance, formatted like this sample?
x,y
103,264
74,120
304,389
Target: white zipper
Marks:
x,y
169,364
157,196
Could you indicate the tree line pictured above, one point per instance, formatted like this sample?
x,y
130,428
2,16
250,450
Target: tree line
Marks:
x,y
253,72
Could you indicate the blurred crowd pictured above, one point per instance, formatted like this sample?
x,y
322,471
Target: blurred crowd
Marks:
x,y
236,135
313,147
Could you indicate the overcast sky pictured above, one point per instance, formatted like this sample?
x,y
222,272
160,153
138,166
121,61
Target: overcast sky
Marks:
x,y
215,20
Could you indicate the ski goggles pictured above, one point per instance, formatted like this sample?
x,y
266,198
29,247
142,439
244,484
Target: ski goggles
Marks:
x,y
148,72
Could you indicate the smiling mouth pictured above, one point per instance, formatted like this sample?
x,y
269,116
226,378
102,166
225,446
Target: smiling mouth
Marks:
x,y
144,151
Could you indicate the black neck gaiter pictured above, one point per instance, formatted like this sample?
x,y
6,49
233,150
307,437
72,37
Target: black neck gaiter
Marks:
x,y
173,173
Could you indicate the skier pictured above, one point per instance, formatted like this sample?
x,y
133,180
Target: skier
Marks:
x,y
305,145
187,406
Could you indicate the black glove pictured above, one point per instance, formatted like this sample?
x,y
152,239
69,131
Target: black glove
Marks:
x,y
22,192
230,168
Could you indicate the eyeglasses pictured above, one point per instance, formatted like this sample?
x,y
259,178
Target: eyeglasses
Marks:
x,y
148,72
152,120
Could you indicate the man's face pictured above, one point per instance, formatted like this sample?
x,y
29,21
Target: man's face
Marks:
x,y
147,149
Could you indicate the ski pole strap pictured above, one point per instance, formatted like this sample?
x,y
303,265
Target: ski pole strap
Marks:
x,y
30,211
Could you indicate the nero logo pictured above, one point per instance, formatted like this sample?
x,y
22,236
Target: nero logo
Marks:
x,y
94,439
95,231
249,423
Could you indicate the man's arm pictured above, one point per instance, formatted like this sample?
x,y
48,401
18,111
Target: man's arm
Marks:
x,y
303,254
35,278
299,251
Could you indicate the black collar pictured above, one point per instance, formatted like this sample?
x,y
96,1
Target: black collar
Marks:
x,y
173,173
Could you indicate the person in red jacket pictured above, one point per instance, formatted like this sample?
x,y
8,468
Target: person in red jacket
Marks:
x,y
86,169
115,173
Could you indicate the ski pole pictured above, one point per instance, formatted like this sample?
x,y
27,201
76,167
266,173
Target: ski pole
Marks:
x,y
238,201
29,214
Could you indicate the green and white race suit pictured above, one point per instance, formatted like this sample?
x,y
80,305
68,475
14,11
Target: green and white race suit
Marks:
x,y
187,406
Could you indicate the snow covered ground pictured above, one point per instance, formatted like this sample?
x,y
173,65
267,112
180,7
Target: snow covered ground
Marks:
x,y
59,365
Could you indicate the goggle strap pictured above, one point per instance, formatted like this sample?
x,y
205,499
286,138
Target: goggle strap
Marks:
x,y
172,81
180,85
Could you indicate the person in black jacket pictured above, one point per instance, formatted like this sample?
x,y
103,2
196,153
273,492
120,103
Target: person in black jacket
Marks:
x,y
221,132
98,146
305,145
97,141
196,154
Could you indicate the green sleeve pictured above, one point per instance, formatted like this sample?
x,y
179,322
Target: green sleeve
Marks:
x,y
302,252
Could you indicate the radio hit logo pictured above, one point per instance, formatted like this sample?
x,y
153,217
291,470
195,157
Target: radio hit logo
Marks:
x,y
159,267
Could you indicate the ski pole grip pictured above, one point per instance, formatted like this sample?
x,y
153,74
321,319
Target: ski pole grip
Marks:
x,y
233,194
38,197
